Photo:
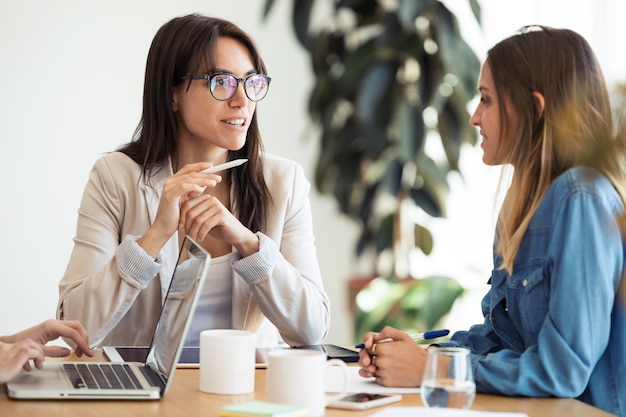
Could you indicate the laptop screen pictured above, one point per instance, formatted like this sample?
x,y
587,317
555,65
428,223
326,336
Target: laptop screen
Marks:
x,y
177,309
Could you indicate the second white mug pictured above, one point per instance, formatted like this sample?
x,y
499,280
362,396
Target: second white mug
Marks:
x,y
298,377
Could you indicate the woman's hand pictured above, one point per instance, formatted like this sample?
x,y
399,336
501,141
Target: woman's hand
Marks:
x,y
206,215
17,350
15,356
185,185
399,363
50,330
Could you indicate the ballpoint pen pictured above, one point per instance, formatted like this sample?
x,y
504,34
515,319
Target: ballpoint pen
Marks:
x,y
432,334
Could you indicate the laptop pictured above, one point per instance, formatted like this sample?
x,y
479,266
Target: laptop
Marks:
x,y
147,380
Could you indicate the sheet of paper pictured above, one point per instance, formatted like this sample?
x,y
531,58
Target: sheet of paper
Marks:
x,y
440,412
357,383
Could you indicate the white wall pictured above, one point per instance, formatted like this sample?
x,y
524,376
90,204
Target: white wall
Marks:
x,y
71,73
72,76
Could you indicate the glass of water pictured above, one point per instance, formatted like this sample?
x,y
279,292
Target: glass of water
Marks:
x,y
448,379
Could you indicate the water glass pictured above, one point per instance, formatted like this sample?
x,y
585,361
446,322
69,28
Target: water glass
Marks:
x,y
448,379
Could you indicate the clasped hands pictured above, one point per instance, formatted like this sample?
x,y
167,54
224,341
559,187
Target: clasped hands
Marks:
x,y
185,205
399,363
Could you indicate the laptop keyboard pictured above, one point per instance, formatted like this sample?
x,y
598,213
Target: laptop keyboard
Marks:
x,y
101,376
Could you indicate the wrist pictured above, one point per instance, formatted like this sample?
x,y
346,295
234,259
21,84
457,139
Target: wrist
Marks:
x,y
248,246
152,242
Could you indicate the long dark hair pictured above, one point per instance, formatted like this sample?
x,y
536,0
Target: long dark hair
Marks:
x,y
180,47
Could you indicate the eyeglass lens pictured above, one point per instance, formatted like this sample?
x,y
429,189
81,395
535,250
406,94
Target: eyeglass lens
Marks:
x,y
224,86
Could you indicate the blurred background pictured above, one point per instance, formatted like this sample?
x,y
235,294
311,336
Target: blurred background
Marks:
x,y
72,77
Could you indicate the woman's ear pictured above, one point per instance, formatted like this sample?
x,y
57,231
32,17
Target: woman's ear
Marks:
x,y
175,100
540,103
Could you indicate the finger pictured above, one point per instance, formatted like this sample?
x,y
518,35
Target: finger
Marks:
x,y
195,214
366,373
210,219
193,173
56,351
376,349
29,352
392,333
203,218
195,167
364,359
73,330
38,362
187,207
368,339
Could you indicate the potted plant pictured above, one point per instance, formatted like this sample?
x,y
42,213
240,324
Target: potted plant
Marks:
x,y
390,77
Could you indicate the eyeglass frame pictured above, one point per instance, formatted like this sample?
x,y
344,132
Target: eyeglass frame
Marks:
x,y
210,77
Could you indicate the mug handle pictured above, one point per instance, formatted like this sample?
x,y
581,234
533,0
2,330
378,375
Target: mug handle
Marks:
x,y
346,380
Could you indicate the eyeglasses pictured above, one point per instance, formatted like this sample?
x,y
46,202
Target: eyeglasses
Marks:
x,y
224,86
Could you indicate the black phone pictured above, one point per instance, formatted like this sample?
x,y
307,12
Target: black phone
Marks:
x,y
333,352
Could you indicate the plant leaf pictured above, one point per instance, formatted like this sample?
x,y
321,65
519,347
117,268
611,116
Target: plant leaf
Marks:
x,y
476,10
423,239
384,237
373,100
301,17
267,8
442,294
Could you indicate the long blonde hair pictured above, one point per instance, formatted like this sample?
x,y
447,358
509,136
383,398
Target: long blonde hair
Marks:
x,y
574,128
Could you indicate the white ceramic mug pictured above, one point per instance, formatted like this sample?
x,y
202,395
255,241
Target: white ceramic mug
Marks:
x,y
297,377
227,361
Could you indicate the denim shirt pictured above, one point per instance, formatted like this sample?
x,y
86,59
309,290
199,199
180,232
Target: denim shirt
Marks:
x,y
556,327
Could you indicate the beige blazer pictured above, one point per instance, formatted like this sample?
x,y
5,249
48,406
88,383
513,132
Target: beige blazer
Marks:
x,y
121,306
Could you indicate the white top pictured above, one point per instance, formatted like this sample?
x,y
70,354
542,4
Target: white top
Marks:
x,y
215,302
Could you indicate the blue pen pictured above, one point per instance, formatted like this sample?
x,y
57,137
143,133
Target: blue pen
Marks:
x,y
432,334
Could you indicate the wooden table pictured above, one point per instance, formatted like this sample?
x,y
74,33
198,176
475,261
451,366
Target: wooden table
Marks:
x,y
184,399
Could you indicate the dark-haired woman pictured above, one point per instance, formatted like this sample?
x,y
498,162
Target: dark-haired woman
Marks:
x,y
203,80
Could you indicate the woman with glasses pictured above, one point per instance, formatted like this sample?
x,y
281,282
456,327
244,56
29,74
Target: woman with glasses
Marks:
x,y
203,80
554,322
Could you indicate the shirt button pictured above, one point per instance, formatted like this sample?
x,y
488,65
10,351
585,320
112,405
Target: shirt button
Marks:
x,y
525,283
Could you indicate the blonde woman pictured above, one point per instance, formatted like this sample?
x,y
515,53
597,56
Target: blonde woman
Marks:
x,y
554,325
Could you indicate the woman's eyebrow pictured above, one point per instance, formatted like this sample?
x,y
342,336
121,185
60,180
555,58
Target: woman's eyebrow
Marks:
x,y
222,70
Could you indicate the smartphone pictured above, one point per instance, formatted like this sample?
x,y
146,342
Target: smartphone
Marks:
x,y
333,352
363,401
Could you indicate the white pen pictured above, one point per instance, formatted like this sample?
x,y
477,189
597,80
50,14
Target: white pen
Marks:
x,y
224,166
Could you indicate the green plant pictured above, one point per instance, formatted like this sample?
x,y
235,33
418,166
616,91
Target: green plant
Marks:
x,y
389,77
386,79
410,304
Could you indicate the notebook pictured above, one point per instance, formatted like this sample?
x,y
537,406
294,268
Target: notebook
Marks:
x,y
149,379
